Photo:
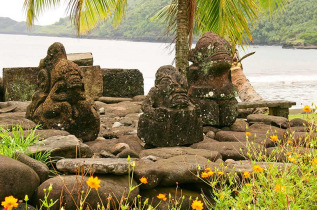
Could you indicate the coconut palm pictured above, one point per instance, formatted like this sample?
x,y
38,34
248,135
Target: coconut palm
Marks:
x,y
228,18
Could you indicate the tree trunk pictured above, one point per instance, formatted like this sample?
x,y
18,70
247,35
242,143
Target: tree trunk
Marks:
x,y
182,32
245,90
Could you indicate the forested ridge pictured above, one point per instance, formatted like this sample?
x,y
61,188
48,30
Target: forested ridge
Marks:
x,y
297,25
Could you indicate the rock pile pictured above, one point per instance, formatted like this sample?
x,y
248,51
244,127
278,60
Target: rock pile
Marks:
x,y
226,149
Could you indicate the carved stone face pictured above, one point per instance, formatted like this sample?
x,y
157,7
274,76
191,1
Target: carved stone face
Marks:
x,y
211,50
69,73
172,87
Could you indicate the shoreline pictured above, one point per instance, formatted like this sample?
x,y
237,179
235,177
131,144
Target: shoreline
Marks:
x,y
167,41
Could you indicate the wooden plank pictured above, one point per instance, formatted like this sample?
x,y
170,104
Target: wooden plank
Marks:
x,y
256,104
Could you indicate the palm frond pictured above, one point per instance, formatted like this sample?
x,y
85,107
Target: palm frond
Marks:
x,y
34,8
119,11
228,18
167,15
87,14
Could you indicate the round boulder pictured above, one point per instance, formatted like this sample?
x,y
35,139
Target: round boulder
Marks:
x,y
67,190
16,179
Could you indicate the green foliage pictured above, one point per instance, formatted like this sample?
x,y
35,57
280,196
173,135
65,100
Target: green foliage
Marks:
x,y
14,140
298,23
288,181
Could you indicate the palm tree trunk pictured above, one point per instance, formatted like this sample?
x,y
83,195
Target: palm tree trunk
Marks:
x,y
182,32
246,91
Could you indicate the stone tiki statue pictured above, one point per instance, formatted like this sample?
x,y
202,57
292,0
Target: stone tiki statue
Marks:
x,y
209,79
60,101
169,118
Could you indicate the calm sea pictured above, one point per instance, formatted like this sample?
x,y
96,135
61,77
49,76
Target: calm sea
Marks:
x,y
276,73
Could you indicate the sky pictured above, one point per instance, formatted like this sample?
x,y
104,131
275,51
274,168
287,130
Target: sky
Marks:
x,y
14,10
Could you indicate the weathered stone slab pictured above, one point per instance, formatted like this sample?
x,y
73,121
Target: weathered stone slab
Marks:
x,y
166,172
62,146
239,125
122,82
8,120
19,83
232,136
117,166
92,78
120,109
113,100
168,152
112,186
256,104
81,59
230,150
267,119
14,106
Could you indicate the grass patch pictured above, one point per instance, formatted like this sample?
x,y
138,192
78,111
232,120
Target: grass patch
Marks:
x,y
15,141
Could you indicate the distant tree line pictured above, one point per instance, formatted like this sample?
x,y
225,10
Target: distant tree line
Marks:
x,y
297,25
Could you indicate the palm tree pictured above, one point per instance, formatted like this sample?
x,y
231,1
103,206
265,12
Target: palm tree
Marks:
x,y
228,18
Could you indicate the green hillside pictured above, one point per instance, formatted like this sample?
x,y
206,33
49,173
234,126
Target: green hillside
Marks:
x,y
297,25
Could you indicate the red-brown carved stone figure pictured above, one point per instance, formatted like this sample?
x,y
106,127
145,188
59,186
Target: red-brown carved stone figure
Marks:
x,y
60,101
209,80
169,118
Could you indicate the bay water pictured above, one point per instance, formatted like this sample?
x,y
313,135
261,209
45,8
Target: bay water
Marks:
x,y
275,73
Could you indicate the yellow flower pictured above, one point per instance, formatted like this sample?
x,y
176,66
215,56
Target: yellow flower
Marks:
x,y
93,182
210,173
204,175
305,179
143,180
10,202
289,141
288,153
291,159
207,169
257,168
274,138
279,188
246,174
307,108
314,161
220,173
222,196
247,133
248,184
162,197
197,205
132,164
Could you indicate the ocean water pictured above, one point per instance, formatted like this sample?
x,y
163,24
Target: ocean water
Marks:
x,y
276,73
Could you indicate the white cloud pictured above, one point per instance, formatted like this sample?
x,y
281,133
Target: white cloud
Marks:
x,y
14,10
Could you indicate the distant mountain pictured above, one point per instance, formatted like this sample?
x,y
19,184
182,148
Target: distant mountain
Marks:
x,y
296,26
